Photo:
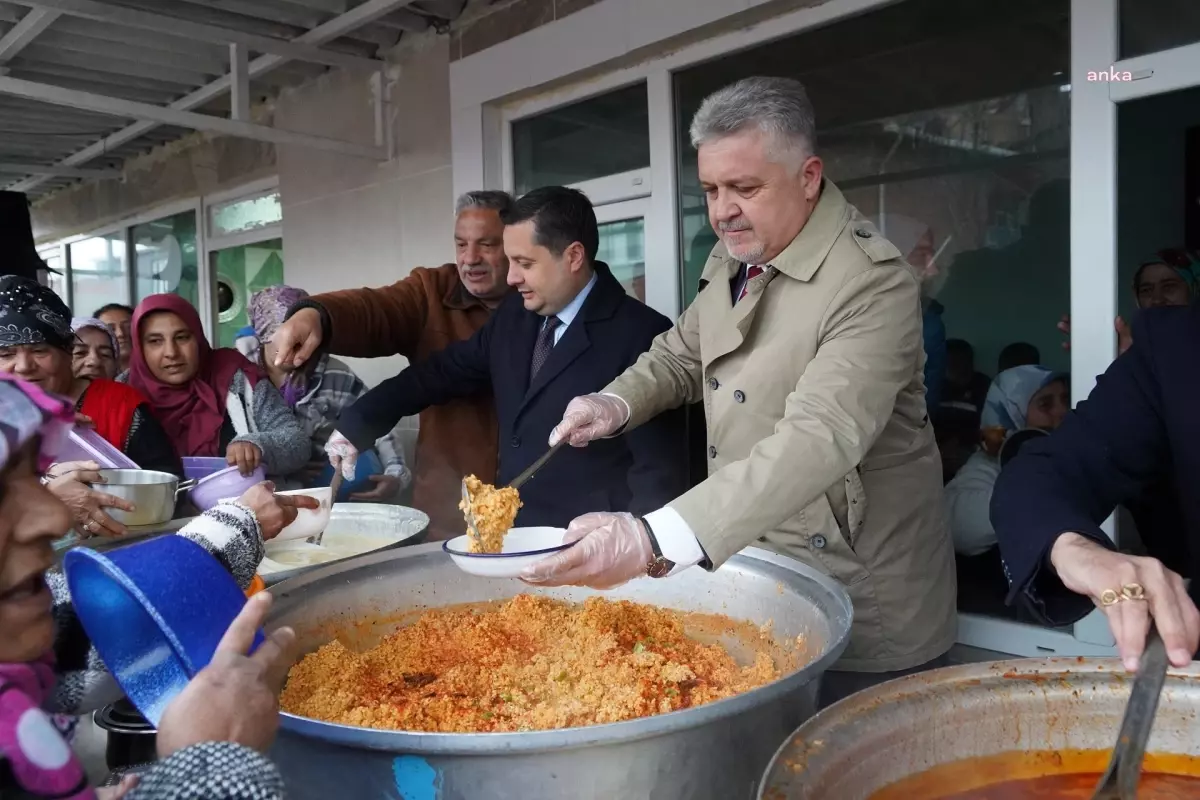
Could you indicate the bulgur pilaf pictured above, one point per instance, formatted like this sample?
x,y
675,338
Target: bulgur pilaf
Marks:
x,y
494,511
530,663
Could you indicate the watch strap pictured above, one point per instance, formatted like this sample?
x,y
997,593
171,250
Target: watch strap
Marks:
x,y
660,566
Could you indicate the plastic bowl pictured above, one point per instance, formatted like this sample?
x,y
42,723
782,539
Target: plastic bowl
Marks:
x,y
522,547
197,467
223,485
155,611
308,522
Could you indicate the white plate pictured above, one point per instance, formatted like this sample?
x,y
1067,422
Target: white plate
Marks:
x,y
522,547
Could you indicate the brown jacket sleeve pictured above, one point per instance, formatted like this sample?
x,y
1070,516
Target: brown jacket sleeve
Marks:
x,y
374,323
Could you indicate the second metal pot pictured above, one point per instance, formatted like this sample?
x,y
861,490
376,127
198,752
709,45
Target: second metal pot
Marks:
x,y
152,493
132,740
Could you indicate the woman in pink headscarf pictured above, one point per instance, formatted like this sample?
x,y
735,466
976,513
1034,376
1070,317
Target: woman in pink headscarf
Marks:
x,y
211,402
213,735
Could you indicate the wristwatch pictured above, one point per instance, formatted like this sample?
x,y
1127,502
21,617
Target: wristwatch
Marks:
x,y
660,566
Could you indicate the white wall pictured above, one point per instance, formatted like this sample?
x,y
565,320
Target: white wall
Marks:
x,y
350,222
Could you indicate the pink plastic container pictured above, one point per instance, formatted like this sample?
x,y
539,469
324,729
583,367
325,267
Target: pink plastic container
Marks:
x,y
197,467
84,444
223,485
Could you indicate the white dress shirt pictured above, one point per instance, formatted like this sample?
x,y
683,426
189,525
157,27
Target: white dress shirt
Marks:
x,y
568,314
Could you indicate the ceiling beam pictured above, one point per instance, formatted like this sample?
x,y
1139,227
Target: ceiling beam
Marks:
x,y
25,31
134,18
360,15
73,98
57,172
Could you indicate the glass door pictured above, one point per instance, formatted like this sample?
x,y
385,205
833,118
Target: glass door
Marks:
x,y
623,243
244,245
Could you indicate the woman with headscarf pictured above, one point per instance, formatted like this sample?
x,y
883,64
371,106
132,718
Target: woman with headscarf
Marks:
x,y
36,345
96,353
211,402
1020,398
213,735
318,392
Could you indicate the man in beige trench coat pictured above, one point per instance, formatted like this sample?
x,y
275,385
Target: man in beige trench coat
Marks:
x,y
804,343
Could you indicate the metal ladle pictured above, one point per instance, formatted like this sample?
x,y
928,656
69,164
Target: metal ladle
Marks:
x,y
1120,781
515,483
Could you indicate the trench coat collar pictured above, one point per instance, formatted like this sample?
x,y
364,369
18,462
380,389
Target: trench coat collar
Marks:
x,y
806,253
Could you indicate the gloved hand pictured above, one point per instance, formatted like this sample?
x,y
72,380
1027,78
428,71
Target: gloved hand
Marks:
x,y
590,417
610,550
342,454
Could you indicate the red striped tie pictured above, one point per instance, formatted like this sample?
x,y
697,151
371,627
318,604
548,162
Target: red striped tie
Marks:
x,y
752,272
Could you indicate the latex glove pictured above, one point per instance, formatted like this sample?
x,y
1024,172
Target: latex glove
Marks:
x,y
610,550
1088,568
342,453
590,417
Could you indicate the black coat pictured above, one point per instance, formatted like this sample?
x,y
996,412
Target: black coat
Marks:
x,y
1136,442
638,472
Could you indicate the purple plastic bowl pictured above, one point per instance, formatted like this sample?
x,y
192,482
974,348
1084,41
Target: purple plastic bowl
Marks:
x,y
224,484
197,467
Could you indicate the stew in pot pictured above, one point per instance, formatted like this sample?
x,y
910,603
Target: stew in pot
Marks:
x,y
1043,775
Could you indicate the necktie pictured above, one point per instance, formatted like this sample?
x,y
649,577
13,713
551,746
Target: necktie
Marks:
x,y
545,343
752,272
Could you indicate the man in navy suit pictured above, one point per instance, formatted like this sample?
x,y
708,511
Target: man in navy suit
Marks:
x,y
569,329
1137,429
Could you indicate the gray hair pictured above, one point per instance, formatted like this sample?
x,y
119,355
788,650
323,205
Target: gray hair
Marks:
x,y
779,107
486,199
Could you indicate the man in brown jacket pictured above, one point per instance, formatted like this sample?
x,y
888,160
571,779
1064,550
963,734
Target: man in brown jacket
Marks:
x,y
416,317
804,343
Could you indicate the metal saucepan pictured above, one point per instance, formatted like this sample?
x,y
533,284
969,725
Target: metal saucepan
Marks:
x,y
152,493
899,729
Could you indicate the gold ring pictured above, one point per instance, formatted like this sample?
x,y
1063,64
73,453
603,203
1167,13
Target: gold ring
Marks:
x,y
1133,591
1110,597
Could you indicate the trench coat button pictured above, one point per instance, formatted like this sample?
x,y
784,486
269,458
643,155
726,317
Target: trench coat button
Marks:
x,y
515,441
739,396
712,451
714,384
817,541
863,233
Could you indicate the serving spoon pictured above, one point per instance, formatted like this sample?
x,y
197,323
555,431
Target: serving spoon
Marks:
x,y
1120,781
515,483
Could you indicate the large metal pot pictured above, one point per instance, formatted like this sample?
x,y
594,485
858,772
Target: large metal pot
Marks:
x,y
715,751
152,493
904,727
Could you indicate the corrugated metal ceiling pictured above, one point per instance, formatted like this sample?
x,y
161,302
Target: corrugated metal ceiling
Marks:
x,y
158,68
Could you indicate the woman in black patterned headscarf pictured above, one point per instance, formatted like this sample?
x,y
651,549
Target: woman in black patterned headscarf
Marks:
x,y
36,342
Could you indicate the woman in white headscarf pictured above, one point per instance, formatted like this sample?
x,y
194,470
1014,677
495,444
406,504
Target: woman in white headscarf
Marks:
x,y
1020,398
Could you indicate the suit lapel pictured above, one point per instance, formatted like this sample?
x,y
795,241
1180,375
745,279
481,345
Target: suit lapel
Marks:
x,y
727,322
521,351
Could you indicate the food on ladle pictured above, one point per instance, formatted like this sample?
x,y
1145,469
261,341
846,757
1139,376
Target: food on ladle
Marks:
x,y
494,511
530,663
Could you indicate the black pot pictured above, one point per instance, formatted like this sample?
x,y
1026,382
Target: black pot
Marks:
x,y
131,739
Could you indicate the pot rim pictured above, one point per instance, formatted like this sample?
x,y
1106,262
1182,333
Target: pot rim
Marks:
x,y
452,744
824,724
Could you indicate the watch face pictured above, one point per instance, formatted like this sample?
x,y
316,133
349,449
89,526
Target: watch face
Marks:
x,y
659,567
